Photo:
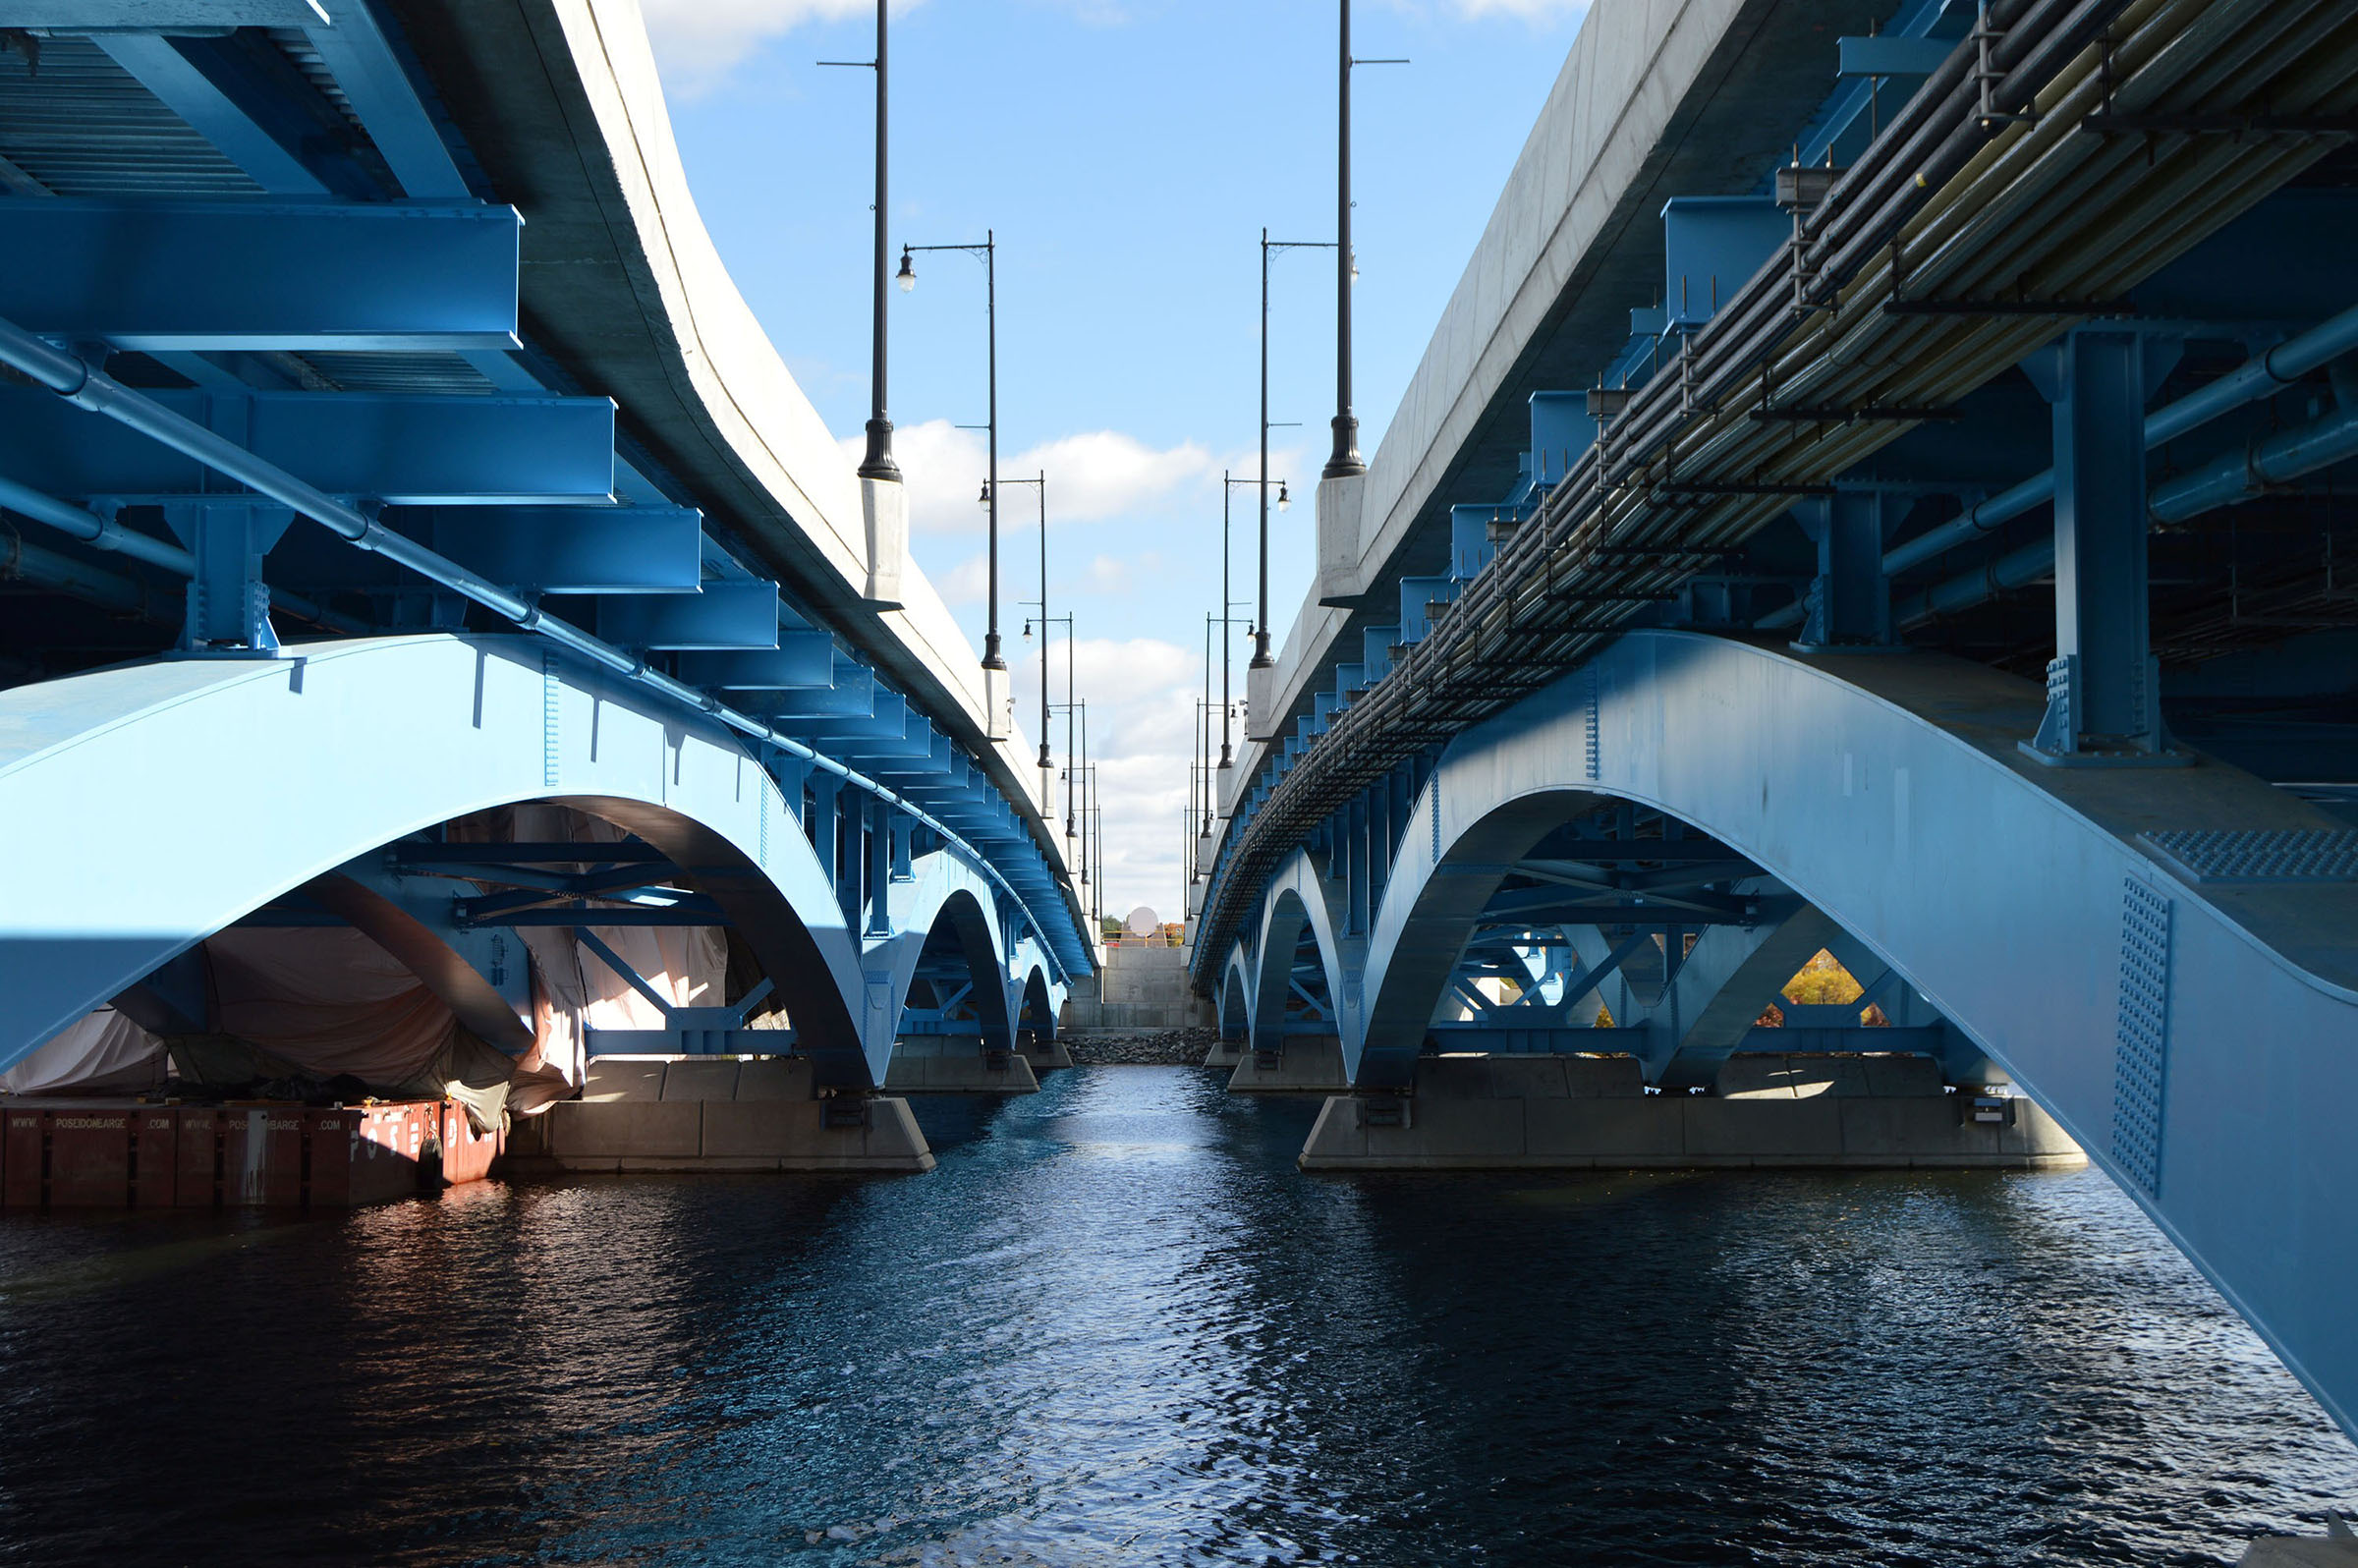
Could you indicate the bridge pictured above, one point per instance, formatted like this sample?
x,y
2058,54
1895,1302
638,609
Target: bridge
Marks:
x,y
415,550
1875,491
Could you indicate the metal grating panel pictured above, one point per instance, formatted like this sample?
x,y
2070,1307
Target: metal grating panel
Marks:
x,y
1436,817
359,372
1594,717
84,127
2141,1056
2321,855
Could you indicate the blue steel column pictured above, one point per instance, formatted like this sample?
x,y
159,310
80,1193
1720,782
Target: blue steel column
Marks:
x,y
2102,703
880,870
1849,602
229,603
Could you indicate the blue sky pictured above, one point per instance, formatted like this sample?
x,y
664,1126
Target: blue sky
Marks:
x,y
1127,154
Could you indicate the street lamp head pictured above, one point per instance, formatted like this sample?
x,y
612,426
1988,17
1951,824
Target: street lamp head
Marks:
x,y
1284,500
984,498
906,276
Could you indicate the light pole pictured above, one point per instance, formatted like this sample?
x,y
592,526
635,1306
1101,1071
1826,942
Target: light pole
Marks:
x,y
1042,481
1260,621
1261,646
878,464
1068,706
988,250
1345,460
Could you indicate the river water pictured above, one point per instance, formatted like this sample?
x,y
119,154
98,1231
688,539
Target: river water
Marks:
x,y
1117,1327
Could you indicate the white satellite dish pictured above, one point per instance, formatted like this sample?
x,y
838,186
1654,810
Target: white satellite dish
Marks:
x,y
1142,921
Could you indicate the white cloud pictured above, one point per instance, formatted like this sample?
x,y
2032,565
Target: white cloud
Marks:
x,y
966,582
1096,477
1142,697
1105,473
699,42
1106,574
942,469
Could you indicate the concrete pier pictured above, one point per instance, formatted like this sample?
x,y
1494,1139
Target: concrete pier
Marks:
x,y
1226,1053
1308,1064
693,1114
1044,1054
952,1064
1583,1112
2339,1549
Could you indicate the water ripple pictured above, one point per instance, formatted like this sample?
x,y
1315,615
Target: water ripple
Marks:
x,y
1116,1327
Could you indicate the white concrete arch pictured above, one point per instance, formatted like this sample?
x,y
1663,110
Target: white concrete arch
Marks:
x,y
1889,792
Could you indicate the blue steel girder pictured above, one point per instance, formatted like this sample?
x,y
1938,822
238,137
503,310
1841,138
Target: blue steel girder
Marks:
x,y
718,615
394,448
181,276
567,549
803,661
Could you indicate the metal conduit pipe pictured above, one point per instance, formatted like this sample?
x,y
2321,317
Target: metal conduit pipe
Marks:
x,y
98,533
86,387
106,533
2258,377
109,590
2224,481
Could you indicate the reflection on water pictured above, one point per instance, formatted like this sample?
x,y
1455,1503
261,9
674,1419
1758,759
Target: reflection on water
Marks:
x,y
1116,1327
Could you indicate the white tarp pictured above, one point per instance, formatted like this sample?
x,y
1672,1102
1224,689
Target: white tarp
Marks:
x,y
102,1051
328,1000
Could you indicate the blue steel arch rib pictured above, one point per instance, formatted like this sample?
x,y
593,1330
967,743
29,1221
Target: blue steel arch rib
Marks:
x,y
956,911
1890,794
1036,1007
1236,995
282,770
1294,908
